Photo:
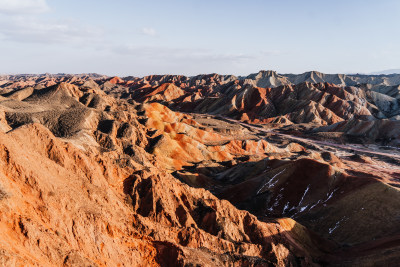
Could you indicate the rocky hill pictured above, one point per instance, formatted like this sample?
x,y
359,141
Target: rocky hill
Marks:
x,y
211,170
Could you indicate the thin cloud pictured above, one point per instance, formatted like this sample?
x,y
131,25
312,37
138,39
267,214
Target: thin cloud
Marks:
x,y
32,30
23,6
168,53
149,31
24,24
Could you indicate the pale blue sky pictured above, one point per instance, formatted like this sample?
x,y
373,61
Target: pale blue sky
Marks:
x,y
121,37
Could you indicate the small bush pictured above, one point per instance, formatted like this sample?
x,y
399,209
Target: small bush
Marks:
x,y
3,194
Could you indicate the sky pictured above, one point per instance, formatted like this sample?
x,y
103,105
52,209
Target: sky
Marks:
x,y
189,37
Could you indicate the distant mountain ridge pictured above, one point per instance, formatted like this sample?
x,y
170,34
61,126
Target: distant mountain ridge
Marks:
x,y
263,78
276,79
386,72
265,96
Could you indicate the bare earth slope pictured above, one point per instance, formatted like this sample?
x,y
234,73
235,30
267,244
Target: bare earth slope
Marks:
x,y
78,188
208,170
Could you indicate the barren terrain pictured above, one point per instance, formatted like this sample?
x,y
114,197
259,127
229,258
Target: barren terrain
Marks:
x,y
211,170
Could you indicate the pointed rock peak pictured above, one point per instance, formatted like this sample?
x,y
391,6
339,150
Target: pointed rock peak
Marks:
x,y
116,80
170,87
166,92
66,87
314,73
90,84
167,87
59,90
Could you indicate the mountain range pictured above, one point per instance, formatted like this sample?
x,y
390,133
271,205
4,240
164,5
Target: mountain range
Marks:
x,y
210,170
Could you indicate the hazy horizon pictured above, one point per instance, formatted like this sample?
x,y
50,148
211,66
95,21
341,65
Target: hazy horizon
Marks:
x,y
139,38
384,72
